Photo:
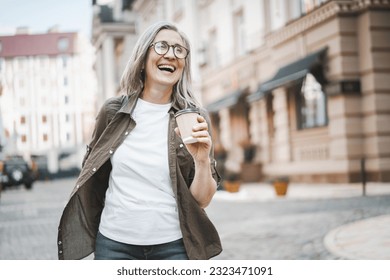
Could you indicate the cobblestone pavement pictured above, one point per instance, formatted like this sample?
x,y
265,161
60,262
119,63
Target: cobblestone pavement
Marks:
x,y
250,229
288,229
29,220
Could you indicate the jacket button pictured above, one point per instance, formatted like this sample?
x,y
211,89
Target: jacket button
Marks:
x,y
181,145
59,242
94,169
78,186
111,151
60,252
126,132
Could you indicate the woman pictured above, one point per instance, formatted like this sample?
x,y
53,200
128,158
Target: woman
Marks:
x,y
141,191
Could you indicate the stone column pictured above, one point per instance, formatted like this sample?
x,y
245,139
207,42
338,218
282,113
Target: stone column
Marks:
x,y
259,130
281,146
109,68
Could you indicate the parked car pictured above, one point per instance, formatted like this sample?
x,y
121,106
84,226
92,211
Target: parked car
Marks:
x,y
15,171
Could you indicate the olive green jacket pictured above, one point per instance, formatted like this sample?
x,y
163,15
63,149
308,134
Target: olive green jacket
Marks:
x,y
81,217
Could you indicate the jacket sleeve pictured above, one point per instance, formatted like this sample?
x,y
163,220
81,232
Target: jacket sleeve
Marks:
x,y
105,115
100,125
213,162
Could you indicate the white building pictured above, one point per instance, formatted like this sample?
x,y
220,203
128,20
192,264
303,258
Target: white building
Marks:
x,y
48,98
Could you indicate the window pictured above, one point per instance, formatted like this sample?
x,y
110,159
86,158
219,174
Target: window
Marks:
x,y
213,49
239,33
277,14
24,138
22,120
44,119
64,60
294,9
177,9
43,61
20,62
43,82
45,137
21,83
311,104
65,81
309,5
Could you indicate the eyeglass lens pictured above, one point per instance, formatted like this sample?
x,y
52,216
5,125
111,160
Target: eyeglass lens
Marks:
x,y
162,48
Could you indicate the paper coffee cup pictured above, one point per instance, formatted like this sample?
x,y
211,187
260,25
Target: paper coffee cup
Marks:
x,y
185,120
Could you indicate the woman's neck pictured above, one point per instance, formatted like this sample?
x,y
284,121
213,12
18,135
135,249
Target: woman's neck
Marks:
x,y
158,95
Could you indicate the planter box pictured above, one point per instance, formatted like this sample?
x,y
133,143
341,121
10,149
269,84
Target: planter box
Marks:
x,y
280,188
232,186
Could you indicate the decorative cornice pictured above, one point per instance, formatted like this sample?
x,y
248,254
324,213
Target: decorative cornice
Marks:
x,y
100,31
321,14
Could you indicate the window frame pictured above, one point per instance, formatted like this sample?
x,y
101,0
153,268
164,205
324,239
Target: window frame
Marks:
x,y
299,98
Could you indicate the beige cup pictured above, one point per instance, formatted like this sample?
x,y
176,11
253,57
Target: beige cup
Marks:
x,y
186,119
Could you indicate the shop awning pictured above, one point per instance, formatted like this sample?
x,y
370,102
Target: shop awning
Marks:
x,y
224,102
294,71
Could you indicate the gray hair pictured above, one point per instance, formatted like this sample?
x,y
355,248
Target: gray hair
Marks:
x,y
133,78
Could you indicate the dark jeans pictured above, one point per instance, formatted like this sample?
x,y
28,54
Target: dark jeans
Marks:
x,y
108,249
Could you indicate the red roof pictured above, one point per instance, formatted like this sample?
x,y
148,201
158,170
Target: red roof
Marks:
x,y
37,44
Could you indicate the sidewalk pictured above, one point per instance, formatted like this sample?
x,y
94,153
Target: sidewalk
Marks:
x,y
367,239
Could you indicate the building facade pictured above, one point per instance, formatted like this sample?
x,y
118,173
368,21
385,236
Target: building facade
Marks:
x,y
295,88
321,124
48,94
113,36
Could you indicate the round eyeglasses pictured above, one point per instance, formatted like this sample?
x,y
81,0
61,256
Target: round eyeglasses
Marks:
x,y
162,48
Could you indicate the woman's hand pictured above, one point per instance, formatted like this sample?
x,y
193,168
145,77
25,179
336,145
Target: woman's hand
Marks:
x,y
199,150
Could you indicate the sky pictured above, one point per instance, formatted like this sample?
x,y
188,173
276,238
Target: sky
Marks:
x,y
40,15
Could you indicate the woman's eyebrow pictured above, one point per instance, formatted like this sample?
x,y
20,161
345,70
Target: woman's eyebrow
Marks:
x,y
174,44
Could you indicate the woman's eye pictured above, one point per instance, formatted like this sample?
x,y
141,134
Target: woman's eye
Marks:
x,y
163,46
179,49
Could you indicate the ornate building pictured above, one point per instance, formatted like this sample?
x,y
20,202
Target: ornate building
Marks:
x,y
295,88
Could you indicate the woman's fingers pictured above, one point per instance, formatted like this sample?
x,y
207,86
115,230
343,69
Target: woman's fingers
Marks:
x,y
201,125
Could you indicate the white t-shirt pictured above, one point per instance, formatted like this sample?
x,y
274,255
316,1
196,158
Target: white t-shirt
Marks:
x,y
140,206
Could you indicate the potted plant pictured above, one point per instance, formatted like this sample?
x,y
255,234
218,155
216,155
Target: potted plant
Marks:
x,y
232,181
280,185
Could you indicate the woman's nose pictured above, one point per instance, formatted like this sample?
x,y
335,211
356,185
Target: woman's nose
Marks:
x,y
170,53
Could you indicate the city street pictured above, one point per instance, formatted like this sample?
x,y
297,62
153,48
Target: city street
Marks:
x,y
255,228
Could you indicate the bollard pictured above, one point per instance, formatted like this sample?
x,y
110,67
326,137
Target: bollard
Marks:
x,y
363,174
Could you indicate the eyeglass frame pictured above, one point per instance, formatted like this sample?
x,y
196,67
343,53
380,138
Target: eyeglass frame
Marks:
x,y
169,47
